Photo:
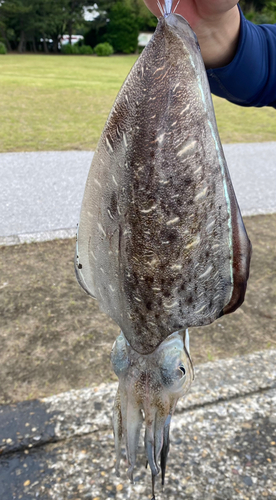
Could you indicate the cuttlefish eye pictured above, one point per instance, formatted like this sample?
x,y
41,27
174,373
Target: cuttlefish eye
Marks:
x,y
182,369
174,365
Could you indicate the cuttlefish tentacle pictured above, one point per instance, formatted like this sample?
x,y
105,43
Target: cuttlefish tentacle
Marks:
x,y
123,396
152,486
133,426
118,430
150,447
160,421
165,448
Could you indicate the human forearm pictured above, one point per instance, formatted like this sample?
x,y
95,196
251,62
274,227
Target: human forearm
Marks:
x,y
249,79
218,38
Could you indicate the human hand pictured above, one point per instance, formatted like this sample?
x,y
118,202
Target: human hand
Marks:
x,y
216,24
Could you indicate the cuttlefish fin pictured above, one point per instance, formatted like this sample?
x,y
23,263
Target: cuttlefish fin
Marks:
x,y
242,250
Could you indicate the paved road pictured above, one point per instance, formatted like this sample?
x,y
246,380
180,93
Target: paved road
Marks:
x,y
42,192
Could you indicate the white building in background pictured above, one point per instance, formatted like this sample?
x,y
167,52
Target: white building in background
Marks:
x,y
74,39
143,39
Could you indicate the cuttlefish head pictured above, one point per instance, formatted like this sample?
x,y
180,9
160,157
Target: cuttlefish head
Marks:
x,y
149,387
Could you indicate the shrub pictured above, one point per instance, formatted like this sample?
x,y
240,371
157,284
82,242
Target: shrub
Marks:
x,y
85,50
69,49
103,49
75,49
3,49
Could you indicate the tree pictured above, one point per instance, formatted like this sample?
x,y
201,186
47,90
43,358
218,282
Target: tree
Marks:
x,y
26,22
20,14
54,20
260,11
44,19
145,18
3,31
107,27
75,15
122,29
253,5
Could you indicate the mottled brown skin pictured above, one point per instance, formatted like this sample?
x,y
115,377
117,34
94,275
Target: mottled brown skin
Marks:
x,y
161,241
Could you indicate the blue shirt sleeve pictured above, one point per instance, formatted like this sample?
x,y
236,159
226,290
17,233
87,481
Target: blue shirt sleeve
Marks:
x,y
250,78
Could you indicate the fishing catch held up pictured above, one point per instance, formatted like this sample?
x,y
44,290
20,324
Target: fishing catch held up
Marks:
x,y
161,242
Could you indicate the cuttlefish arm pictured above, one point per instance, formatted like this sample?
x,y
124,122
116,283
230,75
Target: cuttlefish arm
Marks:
x,y
166,448
149,385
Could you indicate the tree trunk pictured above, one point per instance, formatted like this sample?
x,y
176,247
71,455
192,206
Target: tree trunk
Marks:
x,y
55,44
70,31
22,42
45,46
70,23
34,45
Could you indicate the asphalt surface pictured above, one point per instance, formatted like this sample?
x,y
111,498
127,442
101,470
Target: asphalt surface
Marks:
x,y
41,193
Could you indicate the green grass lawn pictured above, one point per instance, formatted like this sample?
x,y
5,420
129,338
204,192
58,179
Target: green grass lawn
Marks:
x,y
62,102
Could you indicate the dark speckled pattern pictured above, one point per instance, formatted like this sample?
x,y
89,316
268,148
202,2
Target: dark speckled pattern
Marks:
x,y
161,242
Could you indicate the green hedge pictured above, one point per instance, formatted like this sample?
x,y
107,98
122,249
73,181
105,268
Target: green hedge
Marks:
x,y
103,49
85,50
3,49
76,49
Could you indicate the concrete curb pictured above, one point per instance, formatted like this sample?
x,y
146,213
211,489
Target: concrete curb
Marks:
x,y
57,234
64,234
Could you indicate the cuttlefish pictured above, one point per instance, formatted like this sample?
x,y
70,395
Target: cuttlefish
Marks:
x,y
161,242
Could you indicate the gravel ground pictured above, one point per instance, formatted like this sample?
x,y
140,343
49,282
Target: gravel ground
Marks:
x,y
41,193
223,441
